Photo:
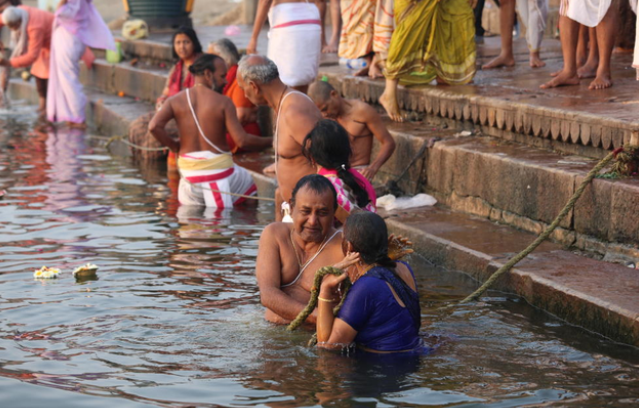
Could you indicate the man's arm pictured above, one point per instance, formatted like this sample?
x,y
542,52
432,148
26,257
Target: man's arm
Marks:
x,y
239,135
374,122
268,270
158,124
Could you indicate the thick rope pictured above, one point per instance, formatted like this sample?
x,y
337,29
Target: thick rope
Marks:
x,y
569,205
317,282
120,138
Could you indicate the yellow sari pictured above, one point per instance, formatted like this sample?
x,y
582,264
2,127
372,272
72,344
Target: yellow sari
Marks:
x,y
432,39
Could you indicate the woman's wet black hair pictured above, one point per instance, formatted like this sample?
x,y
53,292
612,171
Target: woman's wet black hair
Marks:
x,y
328,145
204,62
368,234
316,183
189,32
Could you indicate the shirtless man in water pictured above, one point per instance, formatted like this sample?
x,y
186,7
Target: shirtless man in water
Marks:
x,y
361,121
290,254
203,117
295,113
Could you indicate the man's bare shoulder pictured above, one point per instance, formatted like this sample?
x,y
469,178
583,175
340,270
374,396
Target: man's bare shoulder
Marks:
x,y
362,111
300,105
276,230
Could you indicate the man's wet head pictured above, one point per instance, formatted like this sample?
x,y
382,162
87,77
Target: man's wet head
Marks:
x,y
255,74
210,70
313,203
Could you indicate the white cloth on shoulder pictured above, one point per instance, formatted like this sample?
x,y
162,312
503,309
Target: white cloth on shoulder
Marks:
x,y
585,12
295,41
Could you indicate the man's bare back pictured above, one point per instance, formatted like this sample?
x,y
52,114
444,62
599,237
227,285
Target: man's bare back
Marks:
x,y
216,116
298,116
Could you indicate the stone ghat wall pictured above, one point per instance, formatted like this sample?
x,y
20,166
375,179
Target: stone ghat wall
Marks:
x,y
523,187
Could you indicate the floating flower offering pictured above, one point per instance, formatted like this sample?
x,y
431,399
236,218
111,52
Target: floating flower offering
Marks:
x,y
46,273
85,271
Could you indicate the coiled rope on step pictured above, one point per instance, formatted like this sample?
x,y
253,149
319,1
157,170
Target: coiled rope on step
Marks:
x,y
544,235
317,282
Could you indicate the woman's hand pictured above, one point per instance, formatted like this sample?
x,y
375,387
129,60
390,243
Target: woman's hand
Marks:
x,y
252,47
398,247
330,283
349,260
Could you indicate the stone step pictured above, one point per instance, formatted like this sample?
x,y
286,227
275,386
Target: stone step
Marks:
x,y
597,295
519,186
143,81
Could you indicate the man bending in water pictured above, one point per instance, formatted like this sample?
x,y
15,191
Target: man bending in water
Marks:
x,y
290,254
296,115
203,117
361,121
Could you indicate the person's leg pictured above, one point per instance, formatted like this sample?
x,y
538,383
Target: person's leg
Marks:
x,y
537,12
321,5
479,12
589,68
568,34
389,100
606,35
41,87
336,20
582,45
505,57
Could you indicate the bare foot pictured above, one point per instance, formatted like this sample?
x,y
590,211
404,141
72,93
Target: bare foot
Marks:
x,y
554,74
391,107
535,61
562,79
588,70
269,169
331,47
500,61
375,72
602,81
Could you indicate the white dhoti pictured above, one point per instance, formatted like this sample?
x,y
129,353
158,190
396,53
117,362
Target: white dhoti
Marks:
x,y
295,41
585,12
207,176
533,15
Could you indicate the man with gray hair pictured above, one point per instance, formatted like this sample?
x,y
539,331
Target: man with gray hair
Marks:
x,y
246,110
296,115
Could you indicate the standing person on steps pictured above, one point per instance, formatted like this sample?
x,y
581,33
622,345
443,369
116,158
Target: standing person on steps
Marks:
x,y
77,25
294,39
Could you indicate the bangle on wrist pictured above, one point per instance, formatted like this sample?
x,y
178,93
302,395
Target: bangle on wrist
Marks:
x,y
325,300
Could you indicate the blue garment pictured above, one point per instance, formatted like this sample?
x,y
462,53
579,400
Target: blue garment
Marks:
x,y
381,323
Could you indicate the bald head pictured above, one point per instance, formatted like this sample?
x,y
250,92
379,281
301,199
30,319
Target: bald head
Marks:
x,y
258,69
320,91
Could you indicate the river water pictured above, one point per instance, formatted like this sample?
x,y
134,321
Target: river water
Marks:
x,y
174,319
